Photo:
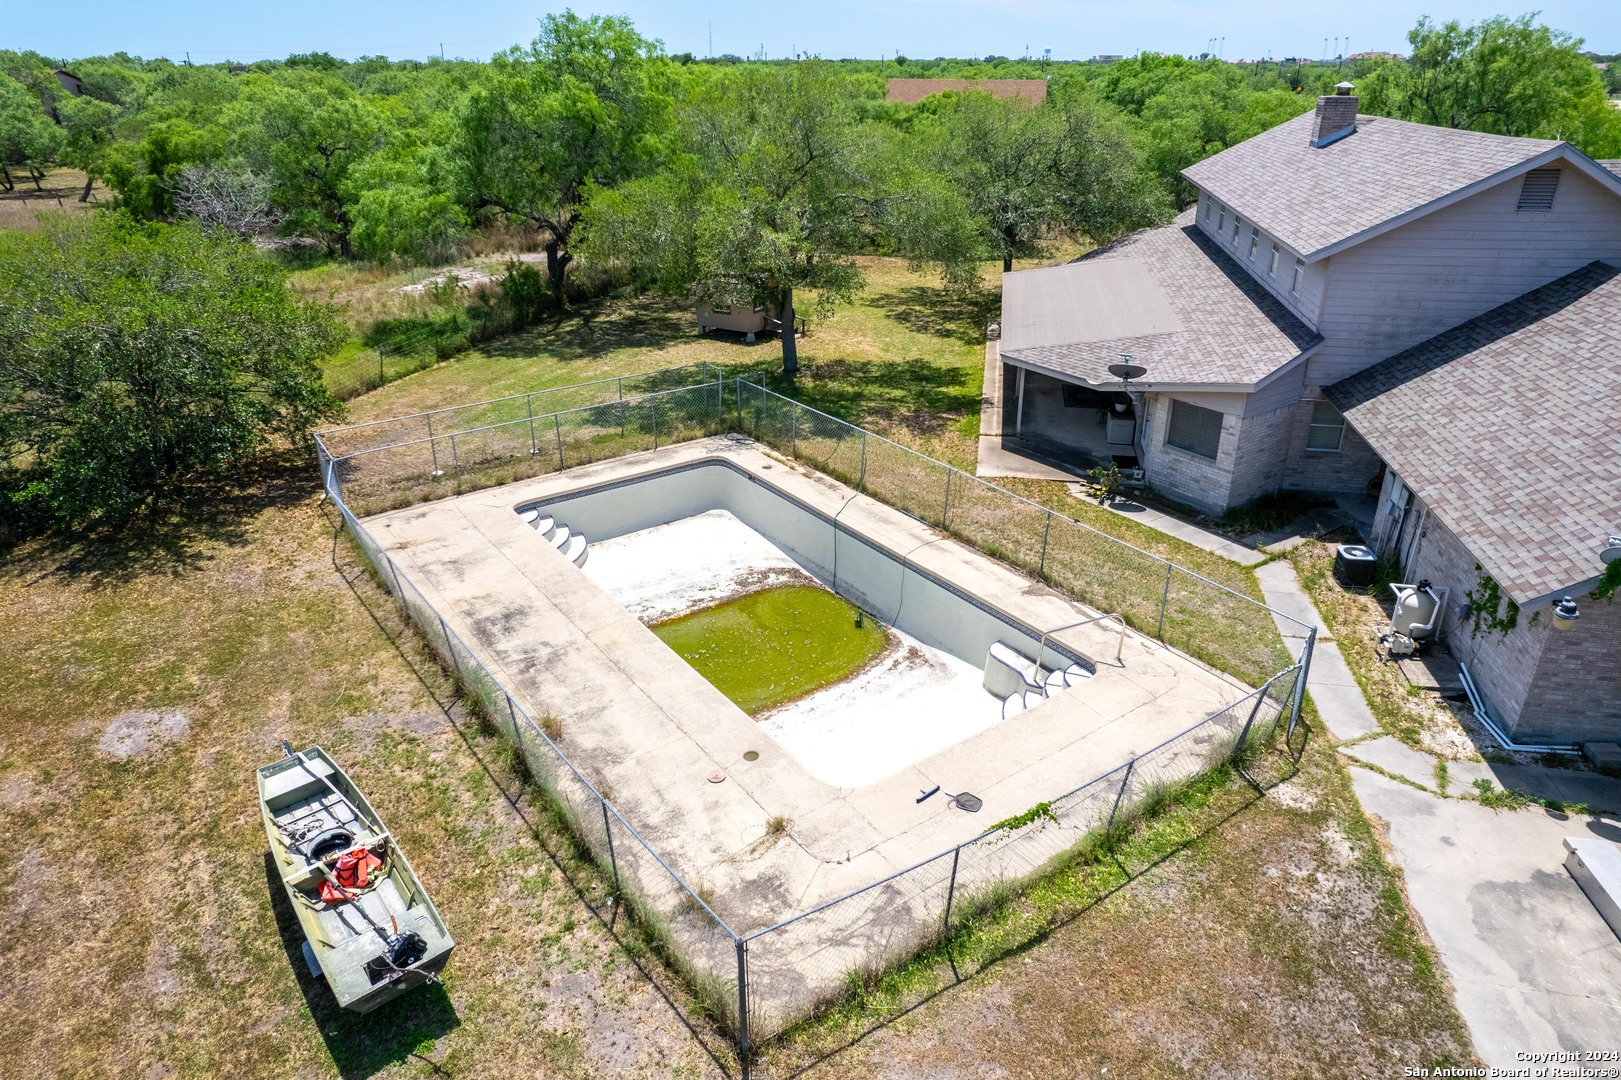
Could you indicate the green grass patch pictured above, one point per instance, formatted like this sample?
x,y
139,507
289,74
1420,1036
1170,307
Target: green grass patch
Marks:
x,y
775,645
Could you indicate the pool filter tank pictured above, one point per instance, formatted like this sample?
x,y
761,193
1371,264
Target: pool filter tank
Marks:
x,y
1415,618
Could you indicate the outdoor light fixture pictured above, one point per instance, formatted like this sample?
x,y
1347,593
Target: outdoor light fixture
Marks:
x,y
1565,614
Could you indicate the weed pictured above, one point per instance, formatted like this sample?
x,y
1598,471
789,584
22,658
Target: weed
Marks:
x,y
1500,798
778,825
1441,777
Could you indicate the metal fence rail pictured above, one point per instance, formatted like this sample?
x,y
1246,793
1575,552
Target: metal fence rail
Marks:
x,y
759,981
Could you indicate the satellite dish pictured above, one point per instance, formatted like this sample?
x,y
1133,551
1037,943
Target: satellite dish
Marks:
x,y
1127,371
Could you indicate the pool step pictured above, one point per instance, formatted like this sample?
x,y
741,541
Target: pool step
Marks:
x,y
1061,679
577,549
573,545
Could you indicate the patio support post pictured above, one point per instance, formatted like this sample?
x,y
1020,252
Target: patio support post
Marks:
x,y
1018,415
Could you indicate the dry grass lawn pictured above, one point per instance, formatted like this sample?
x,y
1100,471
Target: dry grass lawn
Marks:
x,y
58,193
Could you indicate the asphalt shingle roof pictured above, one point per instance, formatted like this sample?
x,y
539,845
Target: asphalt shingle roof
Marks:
x,y
1169,296
1314,197
1509,428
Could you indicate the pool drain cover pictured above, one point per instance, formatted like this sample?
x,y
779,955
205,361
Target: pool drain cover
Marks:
x,y
716,777
751,755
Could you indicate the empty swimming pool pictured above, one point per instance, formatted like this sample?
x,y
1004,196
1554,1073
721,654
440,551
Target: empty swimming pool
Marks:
x,y
669,543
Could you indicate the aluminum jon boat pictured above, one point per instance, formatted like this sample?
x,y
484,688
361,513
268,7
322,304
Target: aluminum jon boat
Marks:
x,y
369,928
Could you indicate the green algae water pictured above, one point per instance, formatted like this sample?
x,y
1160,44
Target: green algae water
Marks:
x,y
775,645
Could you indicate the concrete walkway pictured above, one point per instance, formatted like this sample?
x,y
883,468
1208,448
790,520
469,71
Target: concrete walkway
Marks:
x,y
1533,967
1532,964
1338,698
1186,531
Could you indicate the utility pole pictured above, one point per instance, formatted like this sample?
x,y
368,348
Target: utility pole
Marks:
x,y
711,39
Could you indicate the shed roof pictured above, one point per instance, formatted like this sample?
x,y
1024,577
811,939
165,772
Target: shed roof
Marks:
x,y
912,91
1509,428
1170,297
1312,198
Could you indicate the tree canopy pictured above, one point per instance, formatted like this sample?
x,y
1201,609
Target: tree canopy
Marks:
x,y
133,355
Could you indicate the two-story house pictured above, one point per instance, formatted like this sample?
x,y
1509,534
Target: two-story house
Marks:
x,y
1368,307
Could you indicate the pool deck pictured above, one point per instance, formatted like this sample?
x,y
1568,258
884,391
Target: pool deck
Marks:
x,y
648,730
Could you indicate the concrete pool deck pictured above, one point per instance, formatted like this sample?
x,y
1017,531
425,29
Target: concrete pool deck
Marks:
x,y
648,730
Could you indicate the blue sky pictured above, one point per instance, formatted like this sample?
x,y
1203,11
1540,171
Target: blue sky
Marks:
x,y
217,31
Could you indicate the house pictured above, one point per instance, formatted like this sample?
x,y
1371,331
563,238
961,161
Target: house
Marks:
x,y
912,91
1419,319
69,82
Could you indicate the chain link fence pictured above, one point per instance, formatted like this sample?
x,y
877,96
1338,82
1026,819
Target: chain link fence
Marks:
x,y
756,983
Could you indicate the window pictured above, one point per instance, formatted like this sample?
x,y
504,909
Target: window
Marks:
x,y
1238,223
1209,205
1221,219
1327,427
1194,429
1537,190
1272,263
1299,276
1255,241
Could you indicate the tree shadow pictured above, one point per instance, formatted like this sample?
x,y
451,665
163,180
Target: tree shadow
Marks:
x,y
1282,762
595,327
572,866
361,1044
954,314
922,397
185,529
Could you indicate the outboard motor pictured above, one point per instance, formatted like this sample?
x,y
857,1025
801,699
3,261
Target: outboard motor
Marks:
x,y
1416,616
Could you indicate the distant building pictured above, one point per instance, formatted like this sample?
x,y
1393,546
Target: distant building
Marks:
x,y
1376,55
70,82
1107,58
912,91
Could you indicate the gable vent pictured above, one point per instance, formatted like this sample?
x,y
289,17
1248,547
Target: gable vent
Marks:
x,y
1536,192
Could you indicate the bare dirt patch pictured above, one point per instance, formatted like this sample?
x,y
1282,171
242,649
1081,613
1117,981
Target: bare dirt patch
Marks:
x,y
140,732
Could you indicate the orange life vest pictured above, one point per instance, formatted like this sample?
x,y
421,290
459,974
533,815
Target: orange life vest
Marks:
x,y
351,871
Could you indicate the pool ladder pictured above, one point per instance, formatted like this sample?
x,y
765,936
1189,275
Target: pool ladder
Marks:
x,y
573,545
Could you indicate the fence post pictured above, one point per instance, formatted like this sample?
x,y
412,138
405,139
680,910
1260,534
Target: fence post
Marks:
x,y
743,1005
945,511
512,713
394,570
445,630
534,443
607,829
433,448
655,423
861,483
1046,530
1164,599
557,427
621,388
455,459
739,388
793,433
951,890
1244,733
1300,681
759,412
1125,781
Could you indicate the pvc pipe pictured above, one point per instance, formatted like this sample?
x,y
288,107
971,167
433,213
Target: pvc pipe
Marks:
x,y
1479,705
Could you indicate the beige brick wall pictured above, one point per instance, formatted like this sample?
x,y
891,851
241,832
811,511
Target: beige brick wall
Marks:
x,y
1542,684
1187,477
1347,470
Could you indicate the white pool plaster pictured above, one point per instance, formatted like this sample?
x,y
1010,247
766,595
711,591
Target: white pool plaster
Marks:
x,y
914,701
650,732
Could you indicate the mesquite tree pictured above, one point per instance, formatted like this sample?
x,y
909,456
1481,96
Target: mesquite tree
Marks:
x,y
587,104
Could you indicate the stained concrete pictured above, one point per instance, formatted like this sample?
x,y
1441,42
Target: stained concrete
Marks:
x,y
1533,966
642,724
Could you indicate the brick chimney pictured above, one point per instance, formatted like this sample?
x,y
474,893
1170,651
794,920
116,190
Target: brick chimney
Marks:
x,y
1336,116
